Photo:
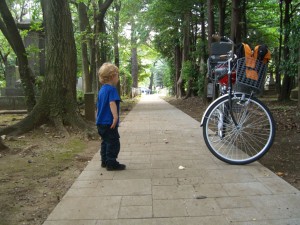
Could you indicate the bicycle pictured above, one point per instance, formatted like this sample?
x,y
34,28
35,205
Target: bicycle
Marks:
x,y
237,127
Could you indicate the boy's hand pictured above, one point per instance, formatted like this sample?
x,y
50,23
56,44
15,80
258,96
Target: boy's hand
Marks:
x,y
114,111
114,124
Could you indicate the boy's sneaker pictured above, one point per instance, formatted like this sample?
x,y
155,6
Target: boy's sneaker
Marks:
x,y
116,167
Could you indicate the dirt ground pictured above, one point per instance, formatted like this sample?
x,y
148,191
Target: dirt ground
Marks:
x,y
284,156
38,168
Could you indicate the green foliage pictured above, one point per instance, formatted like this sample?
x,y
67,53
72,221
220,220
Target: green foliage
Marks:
x,y
125,81
39,81
80,96
188,70
263,19
158,29
2,83
292,64
36,26
200,85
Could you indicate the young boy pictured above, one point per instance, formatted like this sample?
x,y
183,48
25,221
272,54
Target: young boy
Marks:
x,y
107,121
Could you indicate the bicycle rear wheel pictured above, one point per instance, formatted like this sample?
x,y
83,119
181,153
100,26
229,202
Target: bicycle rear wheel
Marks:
x,y
249,140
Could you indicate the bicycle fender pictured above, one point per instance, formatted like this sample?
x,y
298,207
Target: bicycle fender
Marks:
x,y
206,111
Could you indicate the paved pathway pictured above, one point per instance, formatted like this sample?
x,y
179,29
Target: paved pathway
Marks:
x,y
156,139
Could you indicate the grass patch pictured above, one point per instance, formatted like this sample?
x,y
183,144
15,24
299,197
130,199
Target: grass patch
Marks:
x,y
28,175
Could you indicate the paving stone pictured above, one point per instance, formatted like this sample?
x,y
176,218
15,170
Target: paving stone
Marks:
x,y
125,187
133,174
203,207
145,200
85,184
203,220
87,208
246,189
164,181
242,214
210,190
277,206
234,202
227,176
71,222
270,222
95,175
277,186
157,138
135,212
169,208
173,192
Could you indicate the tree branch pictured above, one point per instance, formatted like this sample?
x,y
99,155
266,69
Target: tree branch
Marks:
x,y
105,5
4,30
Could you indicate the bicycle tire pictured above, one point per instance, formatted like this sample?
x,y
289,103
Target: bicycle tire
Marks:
x,y
242,144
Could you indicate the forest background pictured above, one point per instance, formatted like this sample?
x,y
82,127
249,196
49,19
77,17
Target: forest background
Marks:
x,y
156,44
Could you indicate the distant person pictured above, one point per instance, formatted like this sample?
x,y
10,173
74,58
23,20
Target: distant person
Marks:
x,y
107,121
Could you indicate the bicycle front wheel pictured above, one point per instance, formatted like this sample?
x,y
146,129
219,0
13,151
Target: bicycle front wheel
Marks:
x,y
245,142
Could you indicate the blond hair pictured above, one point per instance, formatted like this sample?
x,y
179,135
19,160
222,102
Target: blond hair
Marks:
x,y
106,72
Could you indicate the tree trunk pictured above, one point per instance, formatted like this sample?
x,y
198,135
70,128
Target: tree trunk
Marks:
x,y
10,30
222,10
299,78
99,49
103,7
189,91
185,51
278,77
85,29
193,40
211,26
57,103
210,33
235,21
178,64
134,56
287,79
117,6
203,56
151,81
94,52
243,27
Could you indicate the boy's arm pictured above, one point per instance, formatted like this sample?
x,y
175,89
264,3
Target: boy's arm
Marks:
x,y
114,111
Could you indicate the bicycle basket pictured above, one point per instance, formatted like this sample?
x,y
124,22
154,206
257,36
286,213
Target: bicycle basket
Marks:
x,y
250,73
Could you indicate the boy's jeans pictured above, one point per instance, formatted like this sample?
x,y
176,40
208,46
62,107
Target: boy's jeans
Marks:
x,y
110,146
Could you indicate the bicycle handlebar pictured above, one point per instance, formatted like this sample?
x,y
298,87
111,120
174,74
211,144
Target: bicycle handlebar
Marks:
x,y
224,38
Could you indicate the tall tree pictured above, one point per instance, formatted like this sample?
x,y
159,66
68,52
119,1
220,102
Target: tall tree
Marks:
x,y
185,51
222,10
57,103
278,78
10,31
236,34
101,35
134,56
86,40
287,79
299,77
116,25
211,22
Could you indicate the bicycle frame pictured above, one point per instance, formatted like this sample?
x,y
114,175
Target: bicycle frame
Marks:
x,y
227,89
237,127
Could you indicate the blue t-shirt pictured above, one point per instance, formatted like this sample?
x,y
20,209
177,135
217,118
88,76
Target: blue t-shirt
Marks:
x,y
107,94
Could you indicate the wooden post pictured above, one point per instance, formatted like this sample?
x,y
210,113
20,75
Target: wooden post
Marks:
x,y
299,79
89,106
